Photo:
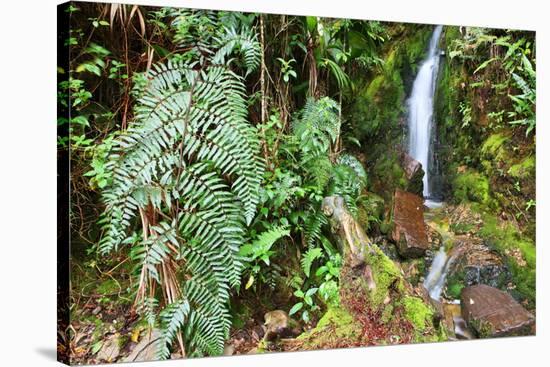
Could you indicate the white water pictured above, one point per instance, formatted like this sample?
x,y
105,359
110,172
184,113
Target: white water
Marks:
x,y
435,281
421,108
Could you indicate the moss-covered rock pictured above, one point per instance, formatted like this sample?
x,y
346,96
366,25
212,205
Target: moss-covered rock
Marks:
x,y
418,313
524,169
336,328
519,253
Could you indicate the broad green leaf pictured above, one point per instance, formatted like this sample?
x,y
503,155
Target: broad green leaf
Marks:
x,y
297,307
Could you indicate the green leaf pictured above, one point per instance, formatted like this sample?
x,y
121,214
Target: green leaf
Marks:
x,y
80,120
97,346
298,293
311,23
310,292
297,307
484,64
309,257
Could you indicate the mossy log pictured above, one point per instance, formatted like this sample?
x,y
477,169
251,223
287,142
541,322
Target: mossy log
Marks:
x,y
377,305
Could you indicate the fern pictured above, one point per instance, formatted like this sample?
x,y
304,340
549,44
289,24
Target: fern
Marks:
x,y
309,257
314,224
188,168
264,242
348,180
317,128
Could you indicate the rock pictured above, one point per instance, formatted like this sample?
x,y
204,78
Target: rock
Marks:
x,y
110,350
279,325
229,350
414,173
475,263
409,231
387,248
434,237
146,349
494,313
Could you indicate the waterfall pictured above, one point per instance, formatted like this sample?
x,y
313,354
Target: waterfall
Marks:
x,y
420,107
435,281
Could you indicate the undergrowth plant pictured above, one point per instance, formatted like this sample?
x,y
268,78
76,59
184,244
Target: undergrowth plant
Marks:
x,y
184,182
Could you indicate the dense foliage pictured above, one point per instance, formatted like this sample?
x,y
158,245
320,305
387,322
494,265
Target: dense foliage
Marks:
x,y
203,144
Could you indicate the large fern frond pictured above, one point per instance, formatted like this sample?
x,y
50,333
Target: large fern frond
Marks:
x,y
192,158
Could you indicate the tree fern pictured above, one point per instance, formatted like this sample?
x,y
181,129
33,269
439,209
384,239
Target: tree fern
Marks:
x,y
188,169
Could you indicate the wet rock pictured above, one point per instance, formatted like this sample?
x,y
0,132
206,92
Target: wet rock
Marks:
x,y
476,263
494,313
434,237
110,350
387,248
146,349
409,231
414,173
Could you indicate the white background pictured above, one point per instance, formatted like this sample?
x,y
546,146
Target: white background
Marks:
x,y
28,182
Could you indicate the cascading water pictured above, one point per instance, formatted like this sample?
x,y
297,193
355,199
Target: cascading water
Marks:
x,y
435,281
421,105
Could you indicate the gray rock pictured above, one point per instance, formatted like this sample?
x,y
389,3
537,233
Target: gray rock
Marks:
x,y
146,349
475,263
110,350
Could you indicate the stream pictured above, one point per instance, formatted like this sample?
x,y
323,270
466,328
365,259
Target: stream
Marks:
x,y
420,123
420,120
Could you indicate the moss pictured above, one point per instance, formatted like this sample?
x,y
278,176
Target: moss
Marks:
x,y
493,146
504,238
523,169
454,289
388,175
108,287
336,325
386,274
371,210
386,227
380,104
483,329
418,313
387,314
471,186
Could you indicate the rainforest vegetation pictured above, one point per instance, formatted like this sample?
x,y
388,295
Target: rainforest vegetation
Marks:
x,y
243,183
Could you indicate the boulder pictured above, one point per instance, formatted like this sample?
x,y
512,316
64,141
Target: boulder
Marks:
x,y
414,173
476,263
494,313
110,350
409,229
279,325
146,349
